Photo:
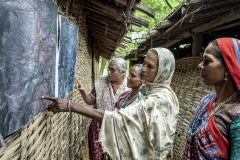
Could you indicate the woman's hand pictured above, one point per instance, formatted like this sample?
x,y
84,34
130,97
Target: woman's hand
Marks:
x,y
79,85
57,105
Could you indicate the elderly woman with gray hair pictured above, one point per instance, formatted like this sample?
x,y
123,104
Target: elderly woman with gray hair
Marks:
x,y
103,96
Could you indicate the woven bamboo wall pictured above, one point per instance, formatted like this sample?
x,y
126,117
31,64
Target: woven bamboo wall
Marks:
x,y
189,88
49,136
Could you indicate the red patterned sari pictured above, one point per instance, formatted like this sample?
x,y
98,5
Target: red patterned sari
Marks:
x,y
208,143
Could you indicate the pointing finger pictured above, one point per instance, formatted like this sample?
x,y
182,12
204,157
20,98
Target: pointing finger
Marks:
x,y
49,98
77,81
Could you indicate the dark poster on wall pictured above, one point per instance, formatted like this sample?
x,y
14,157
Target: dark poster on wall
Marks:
x,y
68,42
28,40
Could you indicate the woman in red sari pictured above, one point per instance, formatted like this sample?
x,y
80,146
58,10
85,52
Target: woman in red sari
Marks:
x,y
214,131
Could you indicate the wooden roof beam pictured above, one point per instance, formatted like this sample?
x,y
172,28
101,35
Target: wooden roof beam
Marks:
x,y
102,27
123,45
105,41
103,46
102,33
109,40
145,9
129,7
104,20
103,54
219,20
106,6
226,26
136,24
212,11
106,9
140,7
109,52
112,11
166,23
126,40
140,20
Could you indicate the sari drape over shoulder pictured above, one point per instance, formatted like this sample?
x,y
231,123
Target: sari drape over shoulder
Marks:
x,y
144,129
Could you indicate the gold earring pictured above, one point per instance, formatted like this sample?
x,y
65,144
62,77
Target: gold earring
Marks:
x,y
225,78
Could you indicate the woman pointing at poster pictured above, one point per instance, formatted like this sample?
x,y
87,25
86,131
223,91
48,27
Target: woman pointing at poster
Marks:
x,y
103,96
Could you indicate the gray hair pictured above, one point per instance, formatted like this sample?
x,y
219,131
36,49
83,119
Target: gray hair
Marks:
x,y
121,65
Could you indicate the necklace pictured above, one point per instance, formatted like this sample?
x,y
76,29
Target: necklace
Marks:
x,y
211,113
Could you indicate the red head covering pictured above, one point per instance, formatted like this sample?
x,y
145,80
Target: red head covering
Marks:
x,y
230,49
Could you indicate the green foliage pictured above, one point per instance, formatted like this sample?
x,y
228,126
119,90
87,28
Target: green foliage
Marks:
x,y
162,9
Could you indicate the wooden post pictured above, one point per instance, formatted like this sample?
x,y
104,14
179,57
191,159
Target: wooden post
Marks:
x,y
96,56
200,40
197,43
151,42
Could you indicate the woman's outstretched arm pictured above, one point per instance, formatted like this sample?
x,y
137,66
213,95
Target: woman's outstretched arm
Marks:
x,y
61,105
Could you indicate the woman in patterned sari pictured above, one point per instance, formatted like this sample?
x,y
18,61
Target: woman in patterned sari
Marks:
x,y
214,131
146,128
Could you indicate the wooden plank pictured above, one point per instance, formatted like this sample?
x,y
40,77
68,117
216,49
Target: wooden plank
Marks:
x,y
154,33
105,54
103,27
124,39
111,11
213,11
102,19
105,42
226,26
175,32
106,6
177,39
219,20
195,1
107,51
123,46
197,43
105,9
101,32
140,20
166,23
105,46
145,9
136,24
129,7
140,7
105,39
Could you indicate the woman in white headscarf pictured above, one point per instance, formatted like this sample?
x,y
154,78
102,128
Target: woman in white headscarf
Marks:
x,y
145,129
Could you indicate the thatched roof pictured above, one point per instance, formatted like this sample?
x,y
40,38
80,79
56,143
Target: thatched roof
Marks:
x,y
218,18
109,20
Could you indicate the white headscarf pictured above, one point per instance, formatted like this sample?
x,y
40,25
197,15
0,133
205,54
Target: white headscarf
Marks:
x,y
145,129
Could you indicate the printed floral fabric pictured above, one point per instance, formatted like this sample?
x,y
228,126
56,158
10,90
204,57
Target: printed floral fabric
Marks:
x,y
208,143
145,129
105,100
